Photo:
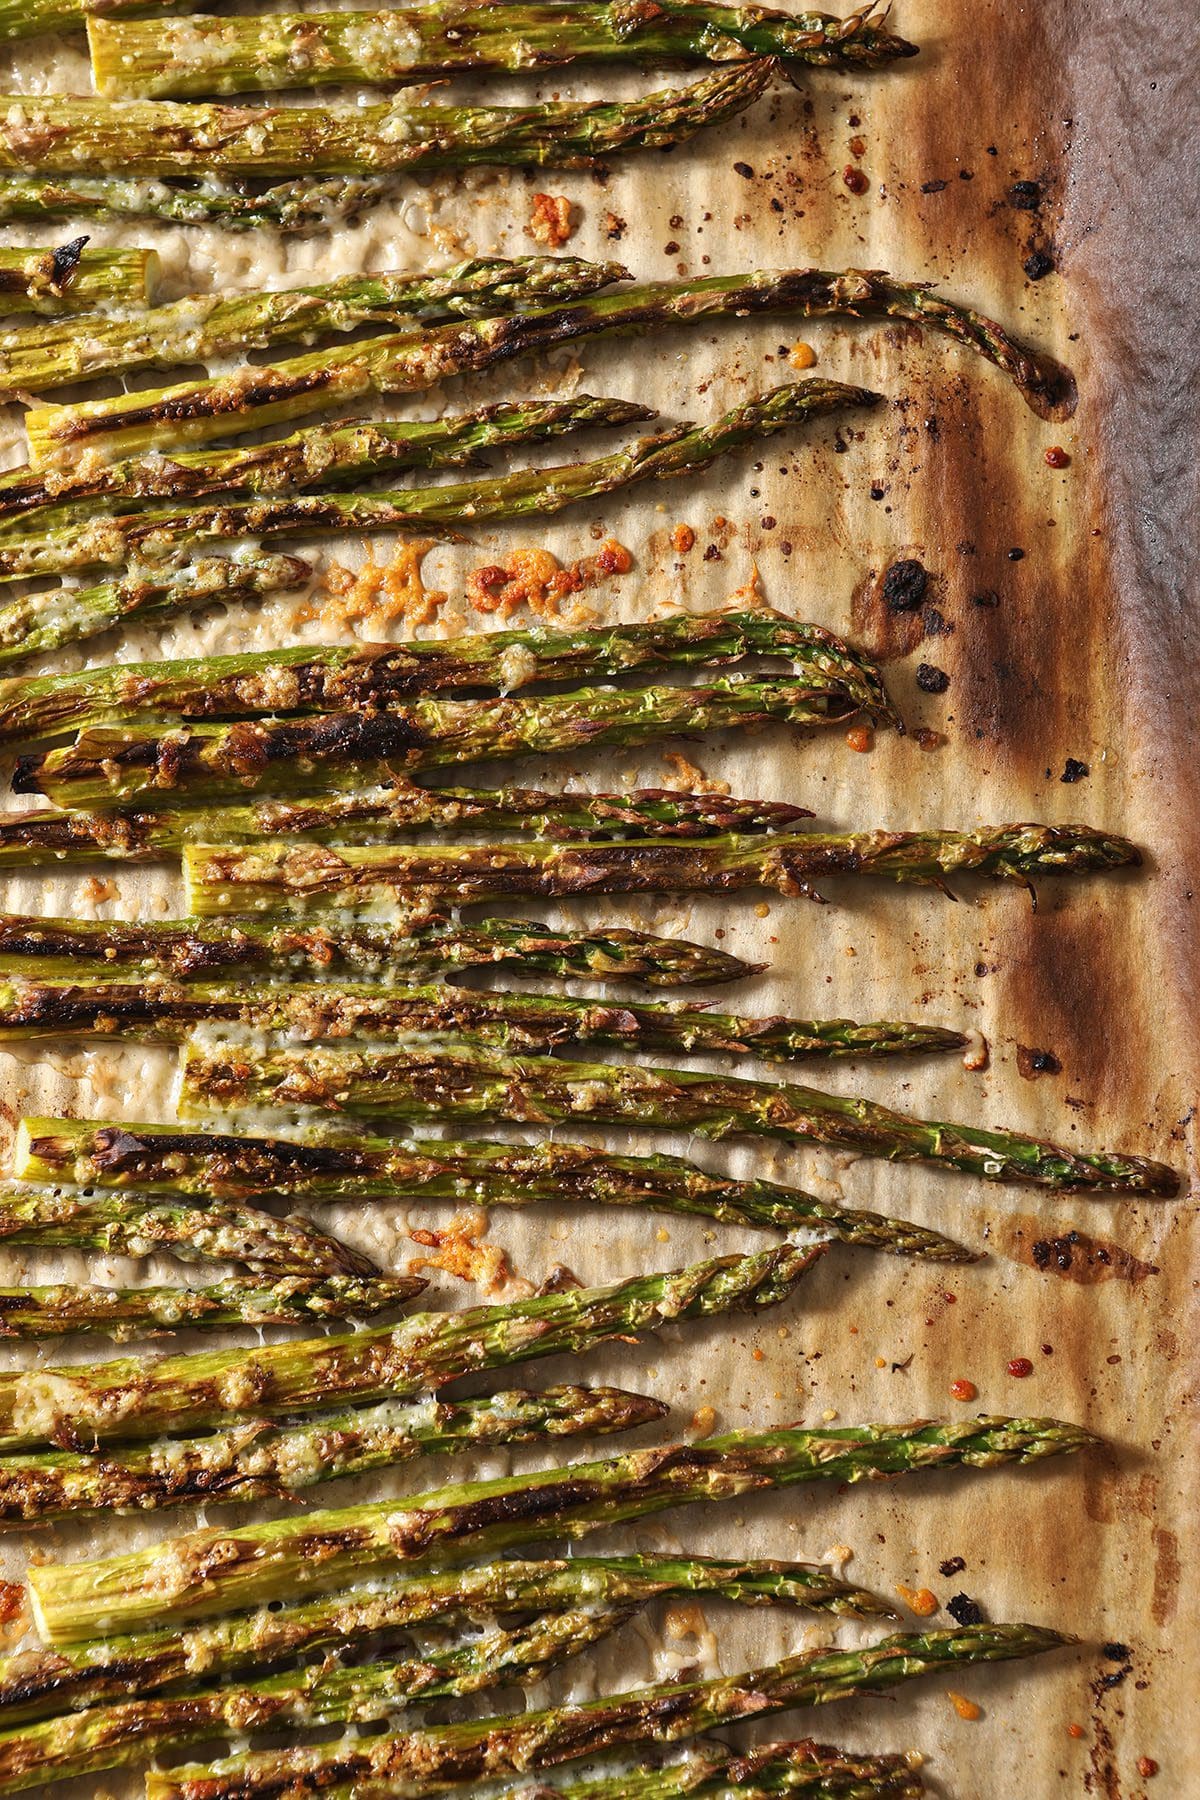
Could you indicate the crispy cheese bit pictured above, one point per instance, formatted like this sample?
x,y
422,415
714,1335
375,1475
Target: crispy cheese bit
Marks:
x,y
553,221
966,1709
918,1600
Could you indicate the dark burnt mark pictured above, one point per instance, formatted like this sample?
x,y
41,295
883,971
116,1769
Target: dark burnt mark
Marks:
x,y
1025,196
1038,264
932,680
904,585
1031,1063
964,1610
64,264
1087,1260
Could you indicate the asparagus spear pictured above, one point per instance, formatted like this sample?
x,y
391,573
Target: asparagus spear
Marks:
x,y
215,1571
59,539
404,362
126,1397
429,1761
129,1313
193,949
109,1737
463,1081
72,279
185,59
318,455
165,1012
220,1231
715,1772
107,765
381,813
205,326
33,623
225,878
170,1159
298,205
256,1462
306,678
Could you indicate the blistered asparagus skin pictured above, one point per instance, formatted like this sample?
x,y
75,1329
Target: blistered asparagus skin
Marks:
x,y
209,326
55,539
128,1398
320,880
167,58
306,678
253,1461
170,1159
199,949
128,1313
462,1081
72,279
197,411
219,1571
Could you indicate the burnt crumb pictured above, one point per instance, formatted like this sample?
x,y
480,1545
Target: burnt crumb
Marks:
x,y
1114,1680
937,624
1037,264
744,170
1074,770
900,1368
1058,1253
615,226
953,1565
1016,555
1032,1063
933,187
931,679
877,492
985,597
64,264
964,1611
966,174
1025,196
905,583
1115,1652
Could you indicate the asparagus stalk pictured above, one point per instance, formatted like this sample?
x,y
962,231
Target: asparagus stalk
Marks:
x,y
304,678
165,1012
34,1683
232,878
128,1313
715,1772
72,279
205,326
110,1737
34,623
290,206
253,397
462,1081
214,1571
137,764
256,1462
126,1397
429,1761
381,813
196,949
60,539
317,456
220,1231
186,59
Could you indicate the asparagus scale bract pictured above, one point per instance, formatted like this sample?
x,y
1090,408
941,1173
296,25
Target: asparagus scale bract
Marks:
x,y
129,1398
185,59
218,1570
124,1313
73,279
429,1761
255,397
211,1165
34,1683
205,326
200,949
324,879
162,1012
307,678
461,1081
60,540
254,1461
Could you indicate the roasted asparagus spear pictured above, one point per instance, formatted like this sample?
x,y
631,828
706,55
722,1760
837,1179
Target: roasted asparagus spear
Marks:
x,y
298,205
129,1313
73,279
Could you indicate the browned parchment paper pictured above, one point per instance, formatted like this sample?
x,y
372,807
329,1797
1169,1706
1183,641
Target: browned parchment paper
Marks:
x,y
1088,654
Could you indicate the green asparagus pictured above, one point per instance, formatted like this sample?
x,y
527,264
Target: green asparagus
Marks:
x,y
317,1168
198,949
164,1012
462,1081
206,326
72,279
252,1461
192,58
429,1761
129,1398
110,1737
129,1313
215,1570
58,539
109,765
298,205
716,1772
232,878
34,1683
307,678
254,397
33,623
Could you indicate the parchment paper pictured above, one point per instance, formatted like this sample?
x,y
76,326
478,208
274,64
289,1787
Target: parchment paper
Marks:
x,y
1087,655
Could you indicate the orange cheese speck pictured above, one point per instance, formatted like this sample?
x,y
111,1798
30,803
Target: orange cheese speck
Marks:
x,y
802,356
963,1390
918,1600
759,1355
1075,1731
966,1709
881,1362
